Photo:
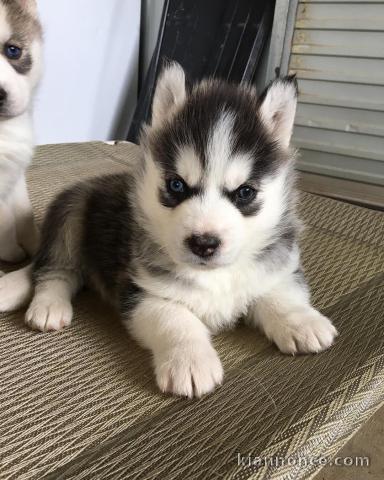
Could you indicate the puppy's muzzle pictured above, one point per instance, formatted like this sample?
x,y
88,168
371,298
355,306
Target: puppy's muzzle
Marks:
x,y
203,246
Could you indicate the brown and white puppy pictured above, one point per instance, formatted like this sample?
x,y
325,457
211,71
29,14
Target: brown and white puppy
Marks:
x,y
202,232
20,69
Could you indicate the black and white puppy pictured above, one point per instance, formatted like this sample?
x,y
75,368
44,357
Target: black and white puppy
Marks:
x,y
20,69
202,232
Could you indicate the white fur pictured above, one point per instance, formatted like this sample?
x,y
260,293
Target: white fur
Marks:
x,y
170,94
278,111
219,150
15,289
10,250
30,6
218,296
237,171
20,88
5,28
189,166
17,231
51,307
287,318
185,362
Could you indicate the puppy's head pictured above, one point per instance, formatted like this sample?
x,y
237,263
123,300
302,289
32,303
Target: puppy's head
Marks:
x,y
20,55
217,163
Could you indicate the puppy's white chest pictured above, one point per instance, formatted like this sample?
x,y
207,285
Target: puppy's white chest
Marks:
x,y
217,297
220,298
16,150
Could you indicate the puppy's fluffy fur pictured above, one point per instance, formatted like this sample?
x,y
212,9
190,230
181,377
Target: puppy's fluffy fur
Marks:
x,y
20,67
202,232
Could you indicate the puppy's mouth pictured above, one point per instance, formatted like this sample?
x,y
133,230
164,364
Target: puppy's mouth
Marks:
x,y
211,263
8,109
207,265
6,113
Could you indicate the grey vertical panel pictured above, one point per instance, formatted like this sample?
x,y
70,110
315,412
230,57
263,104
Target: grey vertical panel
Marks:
x,y
337,52
152,10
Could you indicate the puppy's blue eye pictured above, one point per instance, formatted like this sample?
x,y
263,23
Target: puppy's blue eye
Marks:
x,y
176,185
12,52
245,193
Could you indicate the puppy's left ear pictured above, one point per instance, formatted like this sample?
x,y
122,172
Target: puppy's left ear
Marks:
x,y
278,108
28,5
170,93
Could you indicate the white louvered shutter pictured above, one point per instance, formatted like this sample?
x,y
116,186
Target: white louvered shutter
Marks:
x,y
338,55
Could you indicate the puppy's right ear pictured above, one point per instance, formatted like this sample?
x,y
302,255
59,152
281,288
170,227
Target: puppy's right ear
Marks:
x,y
170,93
278,108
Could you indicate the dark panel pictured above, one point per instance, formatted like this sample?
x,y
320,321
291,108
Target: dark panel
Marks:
x,y
220,38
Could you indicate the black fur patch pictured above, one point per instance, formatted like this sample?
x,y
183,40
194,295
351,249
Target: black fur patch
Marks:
x,y
110,236
23,65
194,123
247,209
103,239
55,220
171,199
300,278
277,251
130,296
107,245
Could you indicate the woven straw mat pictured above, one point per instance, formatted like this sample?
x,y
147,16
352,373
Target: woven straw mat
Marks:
x,y
82,403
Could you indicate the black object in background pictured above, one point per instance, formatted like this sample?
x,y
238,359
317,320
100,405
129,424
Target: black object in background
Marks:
x,y
219,38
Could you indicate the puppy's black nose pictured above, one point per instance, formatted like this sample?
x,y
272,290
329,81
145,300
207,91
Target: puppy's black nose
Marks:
x,y
203,245
3,95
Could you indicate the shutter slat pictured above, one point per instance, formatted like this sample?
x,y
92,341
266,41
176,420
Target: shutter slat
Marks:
x,y
350,95
343,143
340,119
369,71
340,43
352,16
360,169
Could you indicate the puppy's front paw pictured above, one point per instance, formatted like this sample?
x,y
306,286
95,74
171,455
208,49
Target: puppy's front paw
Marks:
x,y
302,331
191,370
46,315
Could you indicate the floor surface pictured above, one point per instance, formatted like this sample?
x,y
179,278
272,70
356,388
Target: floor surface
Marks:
x,y
368,442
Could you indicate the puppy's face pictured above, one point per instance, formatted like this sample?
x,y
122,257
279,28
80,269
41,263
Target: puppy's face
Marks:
x,y
20,55
216,168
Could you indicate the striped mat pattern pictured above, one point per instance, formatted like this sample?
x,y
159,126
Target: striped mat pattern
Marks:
x,y
82,403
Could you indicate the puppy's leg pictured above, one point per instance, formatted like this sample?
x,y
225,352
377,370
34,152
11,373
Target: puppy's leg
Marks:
x,y
287,318
57,271
185,361
15,289
10,251
27,233
51,307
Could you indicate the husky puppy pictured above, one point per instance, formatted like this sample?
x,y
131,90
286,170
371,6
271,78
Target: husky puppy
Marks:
x,y
20,67
202,232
